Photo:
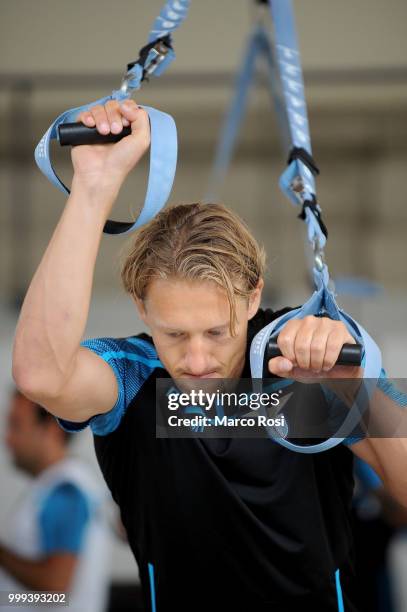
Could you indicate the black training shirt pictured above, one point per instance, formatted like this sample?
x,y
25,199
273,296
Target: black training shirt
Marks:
x,y
222,524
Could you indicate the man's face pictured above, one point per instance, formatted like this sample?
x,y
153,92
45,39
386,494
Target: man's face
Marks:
x,y
189,323
24,435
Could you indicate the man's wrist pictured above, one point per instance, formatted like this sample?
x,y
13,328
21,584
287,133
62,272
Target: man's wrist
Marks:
x,y
101,192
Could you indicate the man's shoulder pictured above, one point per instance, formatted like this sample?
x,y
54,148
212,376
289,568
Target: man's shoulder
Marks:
x,y
133,360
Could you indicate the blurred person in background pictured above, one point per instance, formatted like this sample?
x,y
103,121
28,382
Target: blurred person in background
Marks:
x,y
380,530
57,539
397,561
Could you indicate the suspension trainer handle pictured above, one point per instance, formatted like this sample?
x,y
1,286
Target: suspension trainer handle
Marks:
x,y
350,355
73,134
153,60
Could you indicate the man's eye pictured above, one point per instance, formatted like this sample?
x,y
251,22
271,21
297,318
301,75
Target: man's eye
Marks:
x,y
215,333
174,334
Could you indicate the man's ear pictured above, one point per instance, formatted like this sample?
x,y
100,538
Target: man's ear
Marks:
x,y
141,309
255,298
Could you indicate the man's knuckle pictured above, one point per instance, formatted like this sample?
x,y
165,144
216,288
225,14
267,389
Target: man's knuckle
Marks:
x,y
309,319
302,347
285,341
335,338
318,347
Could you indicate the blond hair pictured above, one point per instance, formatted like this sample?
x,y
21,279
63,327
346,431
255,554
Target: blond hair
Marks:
x,y
197,241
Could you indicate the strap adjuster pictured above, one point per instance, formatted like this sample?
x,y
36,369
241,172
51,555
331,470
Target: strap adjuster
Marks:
x,y
152,55
305,157
315,209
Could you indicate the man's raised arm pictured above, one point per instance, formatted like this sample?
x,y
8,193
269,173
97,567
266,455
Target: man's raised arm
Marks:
x,y
49,365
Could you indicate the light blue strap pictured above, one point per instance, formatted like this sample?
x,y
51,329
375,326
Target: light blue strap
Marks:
x,y
163,160
289,63
256,44
322,301
288,59
170,18
276,92
163,150
287,180
298,174
293,122
285,81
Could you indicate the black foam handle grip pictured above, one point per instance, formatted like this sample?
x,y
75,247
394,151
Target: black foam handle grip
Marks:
x,y
350,355
79,134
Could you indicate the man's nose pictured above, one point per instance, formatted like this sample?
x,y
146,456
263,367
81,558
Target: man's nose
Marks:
x,y
196,357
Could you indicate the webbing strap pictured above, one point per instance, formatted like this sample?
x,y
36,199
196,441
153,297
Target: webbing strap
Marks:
x,y
163,161
286,86
163,149
297,181
322,300
170,18
257,44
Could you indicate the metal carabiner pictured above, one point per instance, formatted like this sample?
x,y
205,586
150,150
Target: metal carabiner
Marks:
x,y
319,255
156,55
124,86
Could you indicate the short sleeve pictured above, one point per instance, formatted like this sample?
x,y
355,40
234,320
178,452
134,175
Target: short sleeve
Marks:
x,y
132,361
63,520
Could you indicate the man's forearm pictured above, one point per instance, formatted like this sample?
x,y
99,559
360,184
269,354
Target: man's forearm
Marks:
x,y
391,457
387,421
386,444
55,309
51,574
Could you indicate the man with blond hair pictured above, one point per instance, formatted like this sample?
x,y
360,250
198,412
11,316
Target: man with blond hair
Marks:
x,y
213,523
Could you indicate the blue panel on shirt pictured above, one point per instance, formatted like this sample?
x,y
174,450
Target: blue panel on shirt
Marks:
x,y
63,520
132,361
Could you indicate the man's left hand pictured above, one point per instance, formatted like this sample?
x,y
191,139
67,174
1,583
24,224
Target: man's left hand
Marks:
x,y
310,348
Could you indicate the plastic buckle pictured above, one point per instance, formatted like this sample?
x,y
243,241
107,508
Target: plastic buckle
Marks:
x,y
305,157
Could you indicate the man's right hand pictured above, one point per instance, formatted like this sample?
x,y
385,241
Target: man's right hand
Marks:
x,y
49,364
101,166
